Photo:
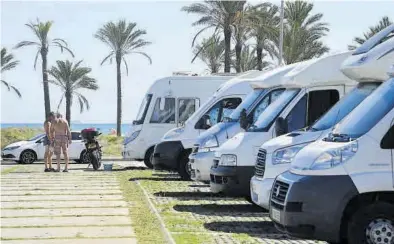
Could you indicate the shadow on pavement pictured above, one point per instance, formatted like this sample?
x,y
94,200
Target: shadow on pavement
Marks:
x,y
235,210
197,186
193,195
154,179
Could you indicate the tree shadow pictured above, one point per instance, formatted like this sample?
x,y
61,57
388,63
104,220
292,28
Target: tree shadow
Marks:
x,y
234,210
192,195
154,179
197,186
165,174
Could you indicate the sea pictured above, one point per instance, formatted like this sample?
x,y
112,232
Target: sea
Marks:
x,y
104,128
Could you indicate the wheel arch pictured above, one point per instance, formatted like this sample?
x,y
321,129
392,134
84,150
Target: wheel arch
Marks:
x,y
360,200
26,150
152,147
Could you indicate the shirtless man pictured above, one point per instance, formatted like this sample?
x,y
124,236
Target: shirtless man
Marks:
x,y
61,134
47,142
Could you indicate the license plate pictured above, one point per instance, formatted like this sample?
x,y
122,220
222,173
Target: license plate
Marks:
x,y
275,214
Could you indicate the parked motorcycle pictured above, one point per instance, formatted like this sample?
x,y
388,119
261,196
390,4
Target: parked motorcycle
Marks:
x,y
93,148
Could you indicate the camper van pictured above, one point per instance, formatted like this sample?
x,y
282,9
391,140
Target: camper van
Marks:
x,y
312,89
275,156
265,91
168,103
341,188
172,153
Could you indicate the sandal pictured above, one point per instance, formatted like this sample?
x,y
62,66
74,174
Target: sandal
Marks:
x,y
65,170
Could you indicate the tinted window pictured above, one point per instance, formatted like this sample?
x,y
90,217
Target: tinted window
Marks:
x,y
186,107
229,105
388,139
369,113
165,116
75,136
319,102
296,119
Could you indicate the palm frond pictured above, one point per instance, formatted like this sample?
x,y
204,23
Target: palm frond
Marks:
x,y
26,43
60,101
9,87
145,55
8,61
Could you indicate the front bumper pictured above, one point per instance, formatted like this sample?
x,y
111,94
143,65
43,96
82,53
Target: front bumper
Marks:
x,y
8,155
201,164
134,151
166,155
232,181
260,191
313,205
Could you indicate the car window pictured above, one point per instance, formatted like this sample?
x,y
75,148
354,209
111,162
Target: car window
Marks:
x,y
76,136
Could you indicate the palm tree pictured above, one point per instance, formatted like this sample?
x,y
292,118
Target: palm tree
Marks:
x,y
41,30
8,63
219,15
302,33
383,23
263,20
122,38
211,52
240,35
248,60
71,78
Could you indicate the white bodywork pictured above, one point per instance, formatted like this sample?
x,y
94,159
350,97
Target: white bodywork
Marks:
x,y
202,160
237,87
144,134
16,149
318,74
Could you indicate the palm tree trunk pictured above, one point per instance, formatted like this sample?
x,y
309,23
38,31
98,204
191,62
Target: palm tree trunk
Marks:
x,y
47,101
119,95
238,50
259,53
68,107
227,49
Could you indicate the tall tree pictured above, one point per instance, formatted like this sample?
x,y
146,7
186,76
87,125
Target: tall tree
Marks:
x,y
249,60
303,32
7,63
41,31
241,31
211,52
264,21
71,78
219,15
372,30
122,38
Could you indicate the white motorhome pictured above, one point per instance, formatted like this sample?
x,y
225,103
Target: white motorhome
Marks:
x,y
172,153
266,89
168,103
312,89
275,156
341,188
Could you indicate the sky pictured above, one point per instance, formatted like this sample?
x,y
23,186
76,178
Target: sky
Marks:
x,y
169,29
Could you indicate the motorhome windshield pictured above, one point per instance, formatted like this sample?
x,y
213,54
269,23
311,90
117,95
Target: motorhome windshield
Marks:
x,y
143,110
344,106
271,113
249,100
203,107
369,113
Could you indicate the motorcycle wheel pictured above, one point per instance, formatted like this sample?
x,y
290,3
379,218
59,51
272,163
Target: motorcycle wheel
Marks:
x,y
95,160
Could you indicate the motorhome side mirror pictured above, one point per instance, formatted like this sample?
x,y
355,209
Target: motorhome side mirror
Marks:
x,y
243,119
202,123
281,126
162,103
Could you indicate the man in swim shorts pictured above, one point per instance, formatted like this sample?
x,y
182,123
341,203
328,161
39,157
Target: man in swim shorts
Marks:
x,y
60,131
47,141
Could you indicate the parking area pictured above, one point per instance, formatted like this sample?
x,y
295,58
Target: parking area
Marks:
x,y
83,205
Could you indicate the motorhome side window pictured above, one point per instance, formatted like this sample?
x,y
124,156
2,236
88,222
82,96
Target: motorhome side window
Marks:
x,y
186,107
220,110
310,108
165,116
388,139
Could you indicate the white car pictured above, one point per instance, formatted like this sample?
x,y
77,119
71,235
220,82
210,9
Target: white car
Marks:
x,y
33,149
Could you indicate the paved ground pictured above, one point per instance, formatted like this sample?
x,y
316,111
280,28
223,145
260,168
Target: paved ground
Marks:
x,y
79,207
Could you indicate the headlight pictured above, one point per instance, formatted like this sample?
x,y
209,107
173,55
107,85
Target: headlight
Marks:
x,y
173,133
132,137
11,148
286,155
334,157
228,160
211,141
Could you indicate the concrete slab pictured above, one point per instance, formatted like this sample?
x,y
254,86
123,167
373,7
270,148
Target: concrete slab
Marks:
x,y
64,212
58,192
63,204
75,241
71,184
67,232
65,221
55,187
61,198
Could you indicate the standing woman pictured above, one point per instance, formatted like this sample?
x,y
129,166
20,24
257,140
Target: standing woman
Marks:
x,y
47,142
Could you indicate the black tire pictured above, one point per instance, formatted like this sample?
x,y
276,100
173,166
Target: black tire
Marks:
x,y
84,158
28,157
184,167
78,161
149,157
360,223
95,160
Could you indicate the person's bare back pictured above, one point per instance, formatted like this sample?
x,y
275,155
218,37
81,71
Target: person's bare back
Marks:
x,y
61,134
